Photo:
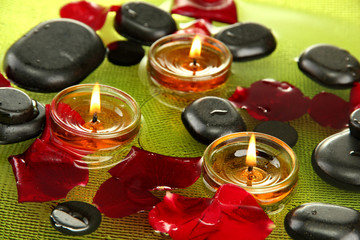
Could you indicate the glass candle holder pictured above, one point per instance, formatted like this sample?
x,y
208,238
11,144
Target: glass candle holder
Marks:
x,y
119,118
273,178
170,66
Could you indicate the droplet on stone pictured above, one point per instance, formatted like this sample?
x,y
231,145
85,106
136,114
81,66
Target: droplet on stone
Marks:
x,y
322,221
247,41
75,218
209,118
330,66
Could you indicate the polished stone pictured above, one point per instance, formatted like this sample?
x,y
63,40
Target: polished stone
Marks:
x,y
354,123
281,130
125,53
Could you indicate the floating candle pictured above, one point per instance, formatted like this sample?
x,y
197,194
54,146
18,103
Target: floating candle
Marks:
x,y
116,123
267,169
205,68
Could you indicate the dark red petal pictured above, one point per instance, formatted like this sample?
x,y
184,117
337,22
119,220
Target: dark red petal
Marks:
x,y
199,26
64,111
4,82
116,199
155,171
43,173
272,100
330,110
231,214
89,13
355,96
213,10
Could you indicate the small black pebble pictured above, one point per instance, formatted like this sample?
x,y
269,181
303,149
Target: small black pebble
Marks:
x,y
209,118
247,41
321,221
75,218
281,130
125,53
143,23
330,66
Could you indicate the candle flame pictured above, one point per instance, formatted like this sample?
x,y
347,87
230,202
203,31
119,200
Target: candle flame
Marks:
x,y
195,50
251,152
95,99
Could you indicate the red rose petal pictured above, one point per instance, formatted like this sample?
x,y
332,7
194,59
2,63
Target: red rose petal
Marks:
x,y
43,173
231,214
89,13
271,100
127,191
4,82
213,10
199,26
330,110
355,96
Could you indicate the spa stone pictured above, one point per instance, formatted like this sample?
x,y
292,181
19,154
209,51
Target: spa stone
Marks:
x,y
12,133
281,130
247,41
75,218
209,118
125,53
330,66
320,221
354,124
54,55
336,160
143,22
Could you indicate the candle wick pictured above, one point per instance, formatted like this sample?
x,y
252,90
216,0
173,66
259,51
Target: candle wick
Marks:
x,y
250,176
95,118
194,66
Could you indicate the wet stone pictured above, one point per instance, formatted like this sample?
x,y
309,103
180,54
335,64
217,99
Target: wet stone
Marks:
x,y
354,123
247,41
281,130
320,221
209,118
143,23
336,160
330,66
54,55
125,53
75,218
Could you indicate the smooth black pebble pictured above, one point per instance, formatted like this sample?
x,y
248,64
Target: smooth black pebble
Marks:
x,y
20,117
143,22
75,218
125,53
354,123
321,221
209,118
330,66
281,130
247,41
54,55
337,160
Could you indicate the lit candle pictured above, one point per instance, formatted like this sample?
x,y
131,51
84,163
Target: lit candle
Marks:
x,y
189,63
261,164
95,107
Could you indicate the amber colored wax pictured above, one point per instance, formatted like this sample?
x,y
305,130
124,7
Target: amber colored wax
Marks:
x,y
114,118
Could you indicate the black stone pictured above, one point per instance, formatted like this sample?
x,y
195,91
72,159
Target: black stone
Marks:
x,y
281,130
337,160
320,221
125,53
54,55
209,118
143,22
247,41
354,124
75,218
12,133
330,66
15,106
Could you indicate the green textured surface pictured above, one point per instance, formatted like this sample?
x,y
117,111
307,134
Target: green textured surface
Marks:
x,y
296,25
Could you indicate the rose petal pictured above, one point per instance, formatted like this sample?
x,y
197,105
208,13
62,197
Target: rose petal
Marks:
x,y
43,173
231,214
216,10
330,110
89,13
271,100
199,26
4,82
355,96
127,191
